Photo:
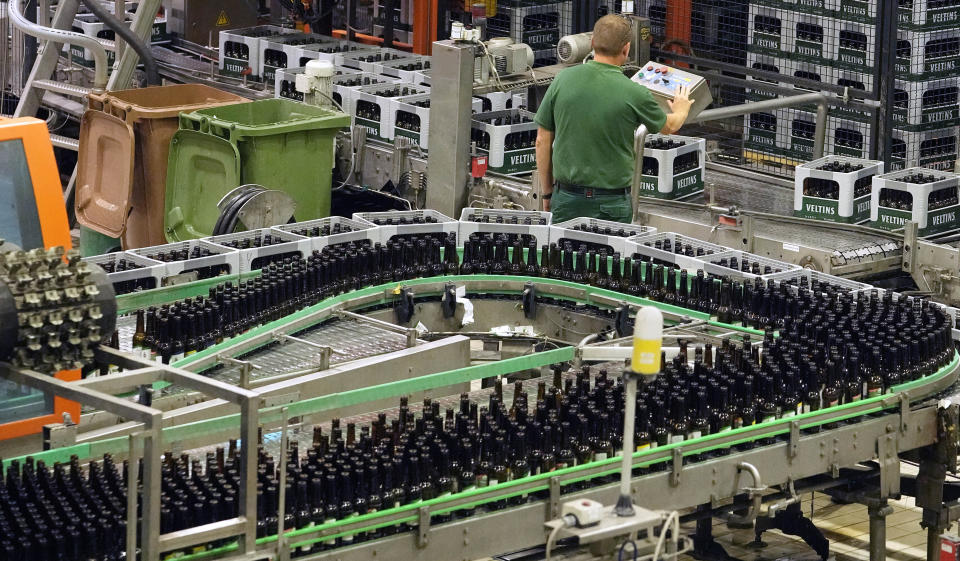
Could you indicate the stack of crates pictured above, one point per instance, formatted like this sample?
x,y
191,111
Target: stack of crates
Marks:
x,y
926,197
402,20
240,49
373,107
673,166
836,42
835,189
539,24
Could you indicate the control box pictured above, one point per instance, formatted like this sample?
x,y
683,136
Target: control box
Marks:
x,y
662,81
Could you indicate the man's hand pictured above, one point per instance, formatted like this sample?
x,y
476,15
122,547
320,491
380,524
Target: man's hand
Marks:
x,y
681,101
679,110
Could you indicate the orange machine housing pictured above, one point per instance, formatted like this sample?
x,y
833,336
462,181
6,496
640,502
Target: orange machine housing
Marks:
x,y
48,192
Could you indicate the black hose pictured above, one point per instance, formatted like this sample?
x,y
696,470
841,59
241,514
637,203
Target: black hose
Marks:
x,y
127,34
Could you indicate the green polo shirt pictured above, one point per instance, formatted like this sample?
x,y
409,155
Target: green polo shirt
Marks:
x,y
593,110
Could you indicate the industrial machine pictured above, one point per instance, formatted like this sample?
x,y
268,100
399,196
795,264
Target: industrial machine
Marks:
x,y
201,21
306,377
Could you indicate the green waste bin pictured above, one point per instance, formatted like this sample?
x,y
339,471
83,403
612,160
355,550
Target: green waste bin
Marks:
x,y
277,143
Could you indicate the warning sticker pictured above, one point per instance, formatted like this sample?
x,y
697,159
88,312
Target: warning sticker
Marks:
x,y
222,19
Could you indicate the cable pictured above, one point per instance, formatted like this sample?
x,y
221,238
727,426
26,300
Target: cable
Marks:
x,y
132,39
623,546
493,65
552,539
675,517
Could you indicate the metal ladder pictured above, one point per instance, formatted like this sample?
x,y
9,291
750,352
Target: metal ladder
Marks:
x,y
42,76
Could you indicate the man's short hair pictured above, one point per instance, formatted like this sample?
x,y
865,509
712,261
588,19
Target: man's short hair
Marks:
x,y
611,34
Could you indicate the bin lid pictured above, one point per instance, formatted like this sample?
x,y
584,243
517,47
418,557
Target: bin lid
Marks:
x,y
202,169
105,166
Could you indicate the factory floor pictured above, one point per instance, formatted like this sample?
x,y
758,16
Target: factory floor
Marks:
x,y
846,526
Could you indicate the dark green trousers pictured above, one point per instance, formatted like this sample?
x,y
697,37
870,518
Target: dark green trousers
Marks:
x,y
567,206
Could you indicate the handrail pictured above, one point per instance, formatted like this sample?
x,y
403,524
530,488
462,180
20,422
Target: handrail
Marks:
x,y
639,141
66,37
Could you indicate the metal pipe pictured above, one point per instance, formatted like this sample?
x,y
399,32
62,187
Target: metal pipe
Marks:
x,y
767,104
59,37
639,141
820,132
755,496
624,505
126,33
878,529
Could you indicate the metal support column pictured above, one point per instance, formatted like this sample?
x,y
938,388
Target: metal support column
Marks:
x,y
885,73
448,163
878,529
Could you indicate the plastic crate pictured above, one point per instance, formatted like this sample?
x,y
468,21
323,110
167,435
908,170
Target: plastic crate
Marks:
x,y
765,131
596,232
722,264
800,131
780,33
540,26
862,81
847,196
817,7
923,55
927,105
405,69
370,61
409,222
920,15
864,11
373,107
255,255
350,81
129,272
411,117
220,261
91,26
806,278
511,222
511,148
240,48
935,149
849,138
670,242
854,46
501,101
929,221
328,49
674,173
273,55
333,230
285,85
767,63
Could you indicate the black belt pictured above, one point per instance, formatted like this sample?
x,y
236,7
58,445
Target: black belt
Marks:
x,y
590,192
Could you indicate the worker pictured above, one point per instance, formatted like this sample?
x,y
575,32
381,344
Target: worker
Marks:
x,y
587,120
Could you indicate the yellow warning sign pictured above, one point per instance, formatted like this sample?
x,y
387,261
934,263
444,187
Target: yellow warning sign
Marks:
x,y
223,20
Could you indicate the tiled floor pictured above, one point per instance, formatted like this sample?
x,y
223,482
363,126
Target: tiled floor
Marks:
x,y
846,526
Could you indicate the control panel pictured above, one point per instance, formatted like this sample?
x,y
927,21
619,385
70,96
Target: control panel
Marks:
x,y
662,81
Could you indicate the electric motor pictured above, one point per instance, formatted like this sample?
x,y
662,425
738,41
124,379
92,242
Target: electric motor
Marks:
x,y
572,49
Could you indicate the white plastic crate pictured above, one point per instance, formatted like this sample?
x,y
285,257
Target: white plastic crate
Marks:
x,y
919,15
849,138
600,232
765,131
849,196
817,7
935,149
346,85
501,101
799,128
730,264
767,63
373,107
498,221
332,230
408,222
674,173
929,221
540,27
932,104
369,61
254,255
405,69
273,55
855,81
854,10
923,55
221,261
853,46
129,272
652,249
91,26
806,277
411,117
510,147
781,33
329,49
423,77
240,49
677,244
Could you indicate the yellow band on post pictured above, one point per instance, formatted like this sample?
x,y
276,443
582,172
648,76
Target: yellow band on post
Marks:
x,y
646,356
